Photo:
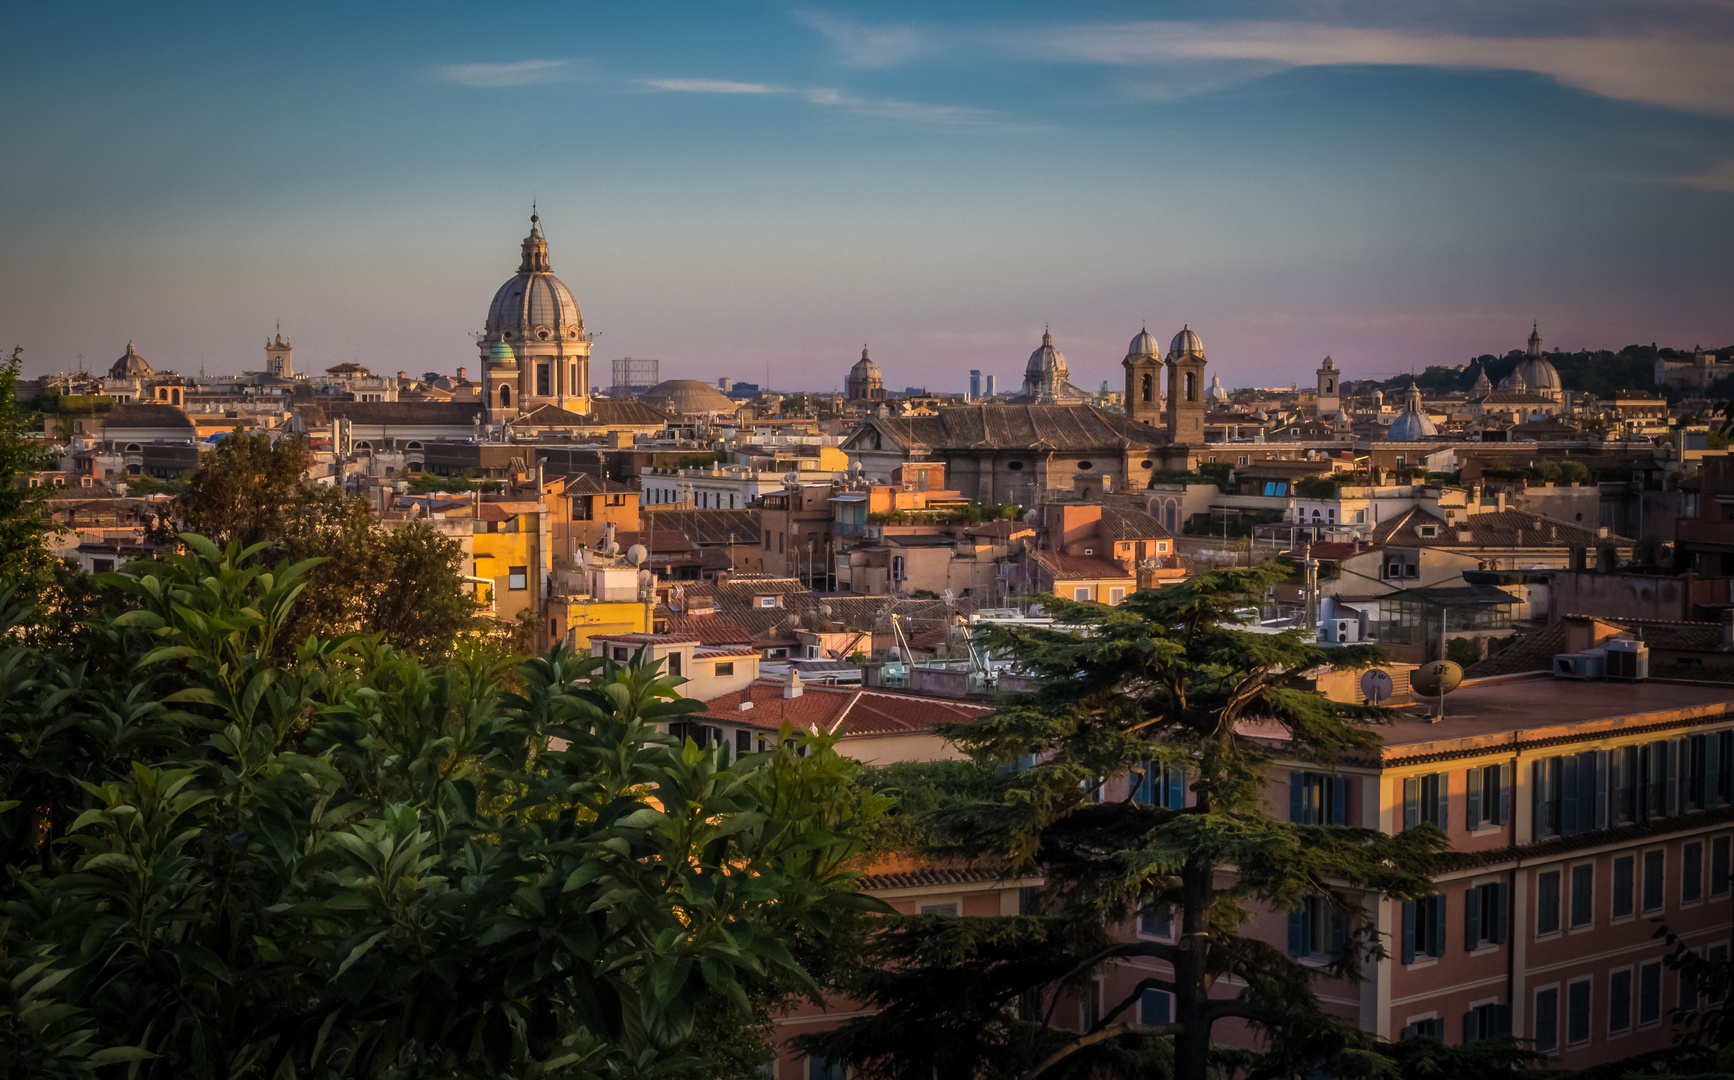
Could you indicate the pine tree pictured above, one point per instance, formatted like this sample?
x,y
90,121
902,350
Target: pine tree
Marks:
x,y
1168,680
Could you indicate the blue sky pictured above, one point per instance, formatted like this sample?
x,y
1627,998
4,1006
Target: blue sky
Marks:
x,y
737,189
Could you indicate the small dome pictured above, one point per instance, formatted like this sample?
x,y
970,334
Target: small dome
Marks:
x,y
1410,427
864,368
502,355
1186,343
1047,360
130,366
1142,345
689,397
1538,373
1216,392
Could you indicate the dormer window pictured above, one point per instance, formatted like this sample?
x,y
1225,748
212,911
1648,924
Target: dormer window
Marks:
x,y
1428,532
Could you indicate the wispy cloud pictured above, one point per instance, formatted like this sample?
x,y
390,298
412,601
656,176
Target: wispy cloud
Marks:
x,y
863,46
517,73
915,112
1693,75
1718,177
711,86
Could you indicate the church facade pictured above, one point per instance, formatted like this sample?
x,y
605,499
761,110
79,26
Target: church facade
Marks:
x,y
534,349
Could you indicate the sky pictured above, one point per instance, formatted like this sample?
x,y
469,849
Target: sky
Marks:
x,y
756,190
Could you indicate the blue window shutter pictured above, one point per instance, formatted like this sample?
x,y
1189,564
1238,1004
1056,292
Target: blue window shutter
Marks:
x,y
1471,1029
1442,812
1297,932
1407,1033
1538,791
1671,792
1568,825
1472,798
1409,914
1339,800
1713,771
1411,801
1471,919
1586,791
1436,947
1496,932
1601,789
1504,817
1296,783
1176,777
1339,930
1646,759
1502,1021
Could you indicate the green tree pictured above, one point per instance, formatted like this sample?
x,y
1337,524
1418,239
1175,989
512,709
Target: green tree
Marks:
x,y
347,863
405,583
25,560
1164,678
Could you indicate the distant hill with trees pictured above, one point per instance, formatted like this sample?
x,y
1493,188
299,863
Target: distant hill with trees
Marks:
x,y
1600,372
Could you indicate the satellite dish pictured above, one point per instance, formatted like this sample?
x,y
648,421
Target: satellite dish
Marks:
x,y
1377,685
1437,678
636,554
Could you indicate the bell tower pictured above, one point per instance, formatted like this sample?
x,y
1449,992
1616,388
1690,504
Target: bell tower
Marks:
x,y
279,356
1185,365
1143,380
1330,393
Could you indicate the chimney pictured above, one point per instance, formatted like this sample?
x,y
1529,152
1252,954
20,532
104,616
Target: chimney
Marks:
x,y
792,684
463,374
1499,501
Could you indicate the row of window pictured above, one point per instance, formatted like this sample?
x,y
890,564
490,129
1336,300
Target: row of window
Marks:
x,y
1599,789
703,500
1487,802
1634,996
1630,894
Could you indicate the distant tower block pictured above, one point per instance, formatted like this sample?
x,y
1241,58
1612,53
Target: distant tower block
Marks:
x,y
632,375
280,356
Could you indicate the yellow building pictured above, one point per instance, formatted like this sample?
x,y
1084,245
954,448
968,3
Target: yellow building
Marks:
x,y
510,549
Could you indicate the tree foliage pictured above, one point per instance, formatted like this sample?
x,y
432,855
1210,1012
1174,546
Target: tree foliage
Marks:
x,y
25,560
1165,678
350,864
405,583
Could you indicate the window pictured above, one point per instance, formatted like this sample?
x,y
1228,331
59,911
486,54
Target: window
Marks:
x,y
743,742
542,380
1486,1022
1719,866
1317,799
1423,928
1577,1014
767,601
1623,885
1547,903
1157,922
819,1068
1583,895
1692,872
1688,992
1154,1007
1489,796
1155,784
1116,595
1547,1020
518,577
622,654
1426,799
1484,909
723,671
674,663
1081,593
1704,759
1571,794
767,539
101,566
1316,929
1650,993
1620,1000
1718,957
1653,866
1425,1029
949,910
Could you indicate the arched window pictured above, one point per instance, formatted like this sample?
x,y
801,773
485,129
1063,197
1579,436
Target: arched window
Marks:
x,y
1149,388
505,397
1191,386
1330,386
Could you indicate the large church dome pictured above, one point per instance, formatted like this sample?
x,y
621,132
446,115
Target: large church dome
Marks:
x,y
534,305
1047,363
130,366
1539,374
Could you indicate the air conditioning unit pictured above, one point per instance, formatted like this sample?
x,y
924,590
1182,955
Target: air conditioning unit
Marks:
x,y
1628,660
1340,631
1579,665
